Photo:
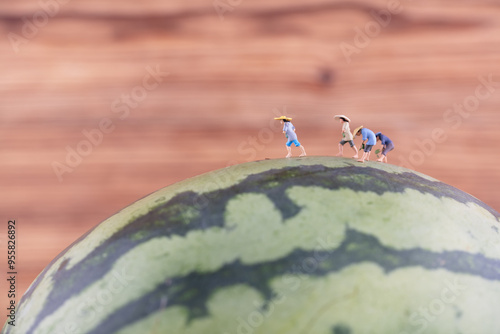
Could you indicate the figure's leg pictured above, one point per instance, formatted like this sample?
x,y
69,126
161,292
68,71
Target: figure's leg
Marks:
x,y
303,154
289,150
391,147
355,149
341,150
365,156
382,154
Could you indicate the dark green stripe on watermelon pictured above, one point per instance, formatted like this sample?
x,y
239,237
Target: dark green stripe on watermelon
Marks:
x,y
183,213
341,329
194,290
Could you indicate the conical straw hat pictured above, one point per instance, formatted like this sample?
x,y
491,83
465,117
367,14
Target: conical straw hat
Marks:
x,y
284,118
356,130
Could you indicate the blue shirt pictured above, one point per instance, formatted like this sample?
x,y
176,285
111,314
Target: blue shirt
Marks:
x,y
384,140
368,134
288,128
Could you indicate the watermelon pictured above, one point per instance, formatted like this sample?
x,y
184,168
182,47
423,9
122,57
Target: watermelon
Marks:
x,y
311,245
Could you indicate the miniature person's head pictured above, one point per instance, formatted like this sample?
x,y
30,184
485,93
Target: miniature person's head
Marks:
x,y
357,132
378,135
283,119
342,119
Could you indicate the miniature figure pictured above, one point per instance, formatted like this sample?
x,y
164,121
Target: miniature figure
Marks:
x,y
387,146
346,136
289,131
370,139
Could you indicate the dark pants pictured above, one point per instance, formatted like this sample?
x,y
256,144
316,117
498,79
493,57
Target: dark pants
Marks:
x,y
387,149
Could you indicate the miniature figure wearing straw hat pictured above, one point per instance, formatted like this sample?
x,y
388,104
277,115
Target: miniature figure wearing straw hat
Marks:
x,y
289,131
387,146
369,138
346,136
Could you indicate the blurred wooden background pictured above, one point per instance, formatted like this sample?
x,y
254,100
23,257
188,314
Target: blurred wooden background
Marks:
x,y
67,66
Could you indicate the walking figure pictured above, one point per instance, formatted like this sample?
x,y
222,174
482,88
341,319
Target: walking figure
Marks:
x,y
346,136
289,131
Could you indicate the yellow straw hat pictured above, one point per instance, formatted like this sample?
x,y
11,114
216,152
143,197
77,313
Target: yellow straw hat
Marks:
x,y
337,117
356,130
283,118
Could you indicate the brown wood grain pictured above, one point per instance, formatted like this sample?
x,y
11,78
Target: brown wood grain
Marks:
x,y
227,79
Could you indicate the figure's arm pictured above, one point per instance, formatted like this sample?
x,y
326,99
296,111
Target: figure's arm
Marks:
x,y
386,143
364,137
363,141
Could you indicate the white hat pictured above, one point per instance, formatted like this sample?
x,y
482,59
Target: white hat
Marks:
x,y
337,117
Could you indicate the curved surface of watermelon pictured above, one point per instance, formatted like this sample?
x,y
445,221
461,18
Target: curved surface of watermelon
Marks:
x,y
315,245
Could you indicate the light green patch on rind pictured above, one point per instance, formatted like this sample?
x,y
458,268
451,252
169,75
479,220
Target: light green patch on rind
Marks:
x,y
219,179
462,227
34,304
226,310
255,232
389,218
252,238
361,297
262,235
